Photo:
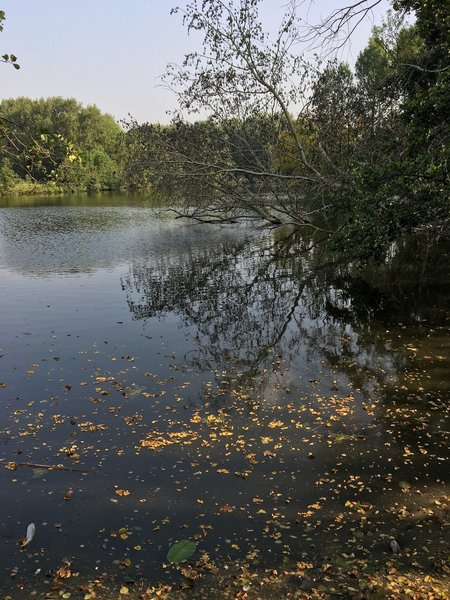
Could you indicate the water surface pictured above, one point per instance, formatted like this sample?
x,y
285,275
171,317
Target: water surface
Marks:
x,y
231,385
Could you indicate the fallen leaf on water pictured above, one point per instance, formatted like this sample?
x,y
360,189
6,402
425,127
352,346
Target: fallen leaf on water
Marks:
x,y
181,551
64,572
68,494
226,508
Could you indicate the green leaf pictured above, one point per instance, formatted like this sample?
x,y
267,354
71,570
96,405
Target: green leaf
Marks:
x,y
181,551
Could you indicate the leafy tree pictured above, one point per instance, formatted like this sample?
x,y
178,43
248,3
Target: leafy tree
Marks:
x,y
335,118
7,177
59,139
406,184
372,71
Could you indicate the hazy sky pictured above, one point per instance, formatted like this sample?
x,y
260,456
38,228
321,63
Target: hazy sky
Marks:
x,y
111,53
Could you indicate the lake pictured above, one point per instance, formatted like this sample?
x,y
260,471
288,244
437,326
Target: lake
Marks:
x,y
241,388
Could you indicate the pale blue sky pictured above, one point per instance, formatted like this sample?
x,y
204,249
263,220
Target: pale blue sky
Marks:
x,y
111,53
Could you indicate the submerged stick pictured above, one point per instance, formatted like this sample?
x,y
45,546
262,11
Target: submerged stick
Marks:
x,y
13,465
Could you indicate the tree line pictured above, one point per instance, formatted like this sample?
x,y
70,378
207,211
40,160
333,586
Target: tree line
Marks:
x,y
58,142
360,154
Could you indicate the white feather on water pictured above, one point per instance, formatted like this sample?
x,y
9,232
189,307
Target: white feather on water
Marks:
x,y
31,530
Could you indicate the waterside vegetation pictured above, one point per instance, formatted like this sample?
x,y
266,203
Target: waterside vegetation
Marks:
x,y
267,134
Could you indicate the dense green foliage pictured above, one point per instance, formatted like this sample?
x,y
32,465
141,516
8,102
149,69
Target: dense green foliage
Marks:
x,y
406,184
59,140
7,176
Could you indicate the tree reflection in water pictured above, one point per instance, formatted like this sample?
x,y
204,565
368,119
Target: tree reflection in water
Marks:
x,y
258,304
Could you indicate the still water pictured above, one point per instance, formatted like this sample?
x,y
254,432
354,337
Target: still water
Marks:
x,y
237,387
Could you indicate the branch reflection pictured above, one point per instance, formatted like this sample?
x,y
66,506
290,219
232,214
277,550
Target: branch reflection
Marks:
x,y
266,304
